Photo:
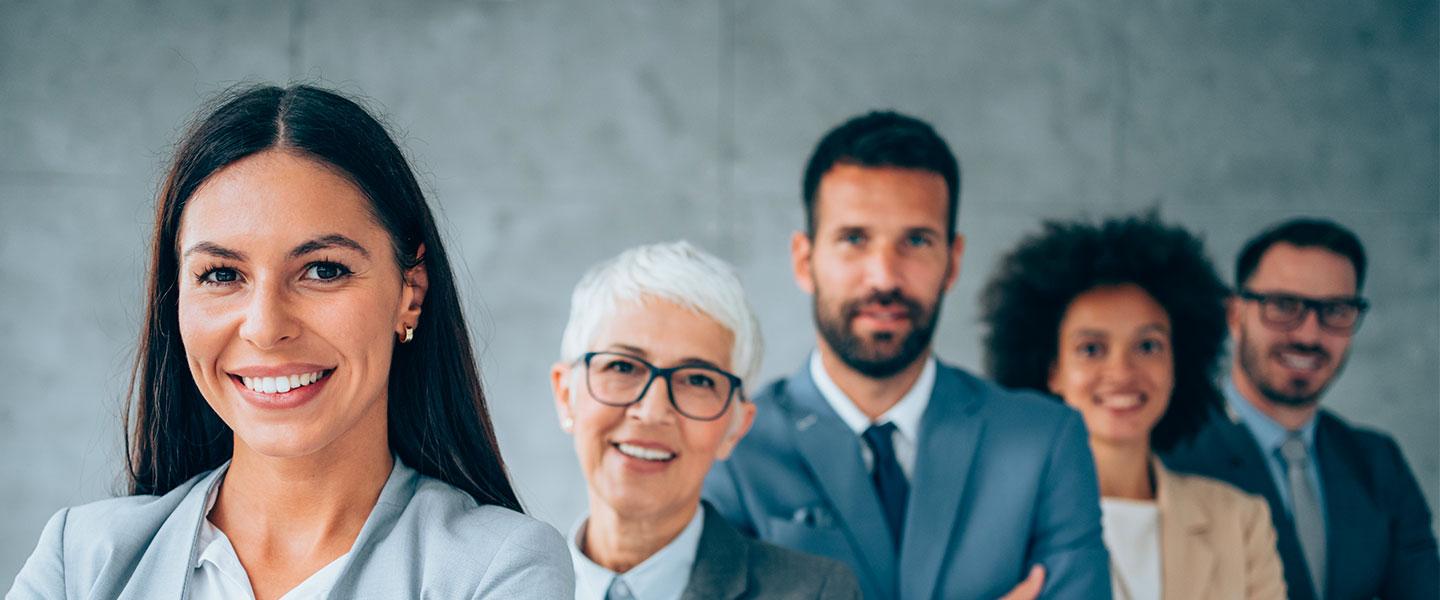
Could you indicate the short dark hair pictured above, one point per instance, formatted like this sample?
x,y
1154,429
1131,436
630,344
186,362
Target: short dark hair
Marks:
x,y
1026,299
438,421
882,139
1303,232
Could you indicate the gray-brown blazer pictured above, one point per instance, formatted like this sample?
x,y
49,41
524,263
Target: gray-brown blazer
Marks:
x,y
729,566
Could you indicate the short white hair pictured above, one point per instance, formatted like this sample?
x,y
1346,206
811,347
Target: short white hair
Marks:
x,y
677,272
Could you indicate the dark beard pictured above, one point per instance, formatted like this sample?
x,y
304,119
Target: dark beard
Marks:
x,y
1251,363
858,353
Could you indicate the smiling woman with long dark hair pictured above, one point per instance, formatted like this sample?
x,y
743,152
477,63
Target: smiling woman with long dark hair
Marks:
x,y
306,418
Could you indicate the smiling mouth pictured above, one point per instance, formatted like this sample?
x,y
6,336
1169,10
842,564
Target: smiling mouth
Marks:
x,y
1126,401
283,383
643,453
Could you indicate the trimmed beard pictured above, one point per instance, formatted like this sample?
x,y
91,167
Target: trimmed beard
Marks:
x,y
858,352
1252,364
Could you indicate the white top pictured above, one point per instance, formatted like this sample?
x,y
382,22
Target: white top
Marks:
x,y
1131,529
905,414
219,575
663,576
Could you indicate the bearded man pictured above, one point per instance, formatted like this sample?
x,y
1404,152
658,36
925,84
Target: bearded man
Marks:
x,y
1349,517
928,481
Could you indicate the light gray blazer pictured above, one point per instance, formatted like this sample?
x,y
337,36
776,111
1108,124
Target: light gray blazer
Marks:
x,y
423,539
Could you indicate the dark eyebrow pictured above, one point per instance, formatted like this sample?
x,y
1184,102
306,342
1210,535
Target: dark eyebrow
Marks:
x,y
333,240
216,250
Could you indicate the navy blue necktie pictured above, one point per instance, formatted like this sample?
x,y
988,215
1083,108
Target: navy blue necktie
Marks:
x,y
889,480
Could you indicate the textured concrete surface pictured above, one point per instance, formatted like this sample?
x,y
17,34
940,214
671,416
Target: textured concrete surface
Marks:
x,y
553,134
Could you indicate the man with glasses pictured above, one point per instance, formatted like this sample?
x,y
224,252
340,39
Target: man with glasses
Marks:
x,y
1350,517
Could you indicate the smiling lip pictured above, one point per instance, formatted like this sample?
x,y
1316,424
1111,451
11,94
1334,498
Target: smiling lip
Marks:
x,y
309,377
1122,402
642,456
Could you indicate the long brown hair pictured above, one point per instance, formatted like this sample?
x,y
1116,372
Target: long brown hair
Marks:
x,y
438,421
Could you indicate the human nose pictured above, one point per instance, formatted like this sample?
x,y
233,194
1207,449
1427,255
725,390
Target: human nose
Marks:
x,y
1120,367
269,318
654,405
1308,330
882,268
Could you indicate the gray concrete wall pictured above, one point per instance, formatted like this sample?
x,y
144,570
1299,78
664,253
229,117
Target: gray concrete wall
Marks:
x,y
552,134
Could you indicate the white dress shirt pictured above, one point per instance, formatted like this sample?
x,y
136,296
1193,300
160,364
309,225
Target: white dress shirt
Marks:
x,y
663,576
218,574
905,414
1131,529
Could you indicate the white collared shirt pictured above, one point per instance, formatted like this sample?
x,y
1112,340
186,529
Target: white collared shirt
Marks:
x,y
663,576
905,414
218,574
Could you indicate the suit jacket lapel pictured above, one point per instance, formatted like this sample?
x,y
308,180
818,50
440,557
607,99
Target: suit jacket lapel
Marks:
x,y
1185,551
832,451
1350,513
162,574
722,562
950,434
1250,472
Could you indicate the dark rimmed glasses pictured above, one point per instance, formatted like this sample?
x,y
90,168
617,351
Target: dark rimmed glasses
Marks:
x,y
1288,311
699,392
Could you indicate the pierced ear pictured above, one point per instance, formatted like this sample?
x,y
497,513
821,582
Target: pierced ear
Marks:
x,y
415,282
801,251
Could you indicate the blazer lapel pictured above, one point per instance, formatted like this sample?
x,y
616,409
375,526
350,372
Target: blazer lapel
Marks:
x,y
164,576
1250,472
1185,553
832,451
950,433
721,564
394,497
1352,519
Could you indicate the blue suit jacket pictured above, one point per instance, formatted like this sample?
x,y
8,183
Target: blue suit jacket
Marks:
x,y
1003,480
1377,524
423,539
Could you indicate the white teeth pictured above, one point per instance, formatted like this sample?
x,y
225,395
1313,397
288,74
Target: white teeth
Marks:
x,y
281,384
644,453
1300,361
1121,401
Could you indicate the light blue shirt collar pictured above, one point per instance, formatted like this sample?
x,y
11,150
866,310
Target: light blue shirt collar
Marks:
x,y
1270,435
1267,432
663,576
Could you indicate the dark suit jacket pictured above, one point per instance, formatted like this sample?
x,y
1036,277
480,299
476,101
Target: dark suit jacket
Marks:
x,y
1003,480
730,566
1378,534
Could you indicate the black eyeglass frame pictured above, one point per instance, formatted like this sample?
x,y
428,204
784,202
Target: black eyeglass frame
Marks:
x,y
1307,306
657,372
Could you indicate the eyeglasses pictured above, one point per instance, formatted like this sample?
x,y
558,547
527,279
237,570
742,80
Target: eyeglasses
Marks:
x,y
1287,311
696,391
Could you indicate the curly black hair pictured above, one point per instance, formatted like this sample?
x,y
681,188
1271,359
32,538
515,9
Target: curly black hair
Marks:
x,y
1027,297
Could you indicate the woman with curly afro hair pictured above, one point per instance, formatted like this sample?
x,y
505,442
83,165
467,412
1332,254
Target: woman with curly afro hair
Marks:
x,y
1125,322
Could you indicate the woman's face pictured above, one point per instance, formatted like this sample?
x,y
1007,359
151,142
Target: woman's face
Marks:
x,y
1115,364
678,451
289,302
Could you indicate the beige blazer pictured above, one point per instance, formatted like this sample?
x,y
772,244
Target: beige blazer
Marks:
x,y
1215,541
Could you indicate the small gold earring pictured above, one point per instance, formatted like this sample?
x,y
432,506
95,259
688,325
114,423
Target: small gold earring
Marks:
x,y
409,335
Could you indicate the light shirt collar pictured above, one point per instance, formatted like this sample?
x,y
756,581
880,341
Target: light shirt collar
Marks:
x,y
219,575
906,414
1267,431
662,576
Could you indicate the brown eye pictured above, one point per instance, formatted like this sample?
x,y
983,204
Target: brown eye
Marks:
x,y
326,271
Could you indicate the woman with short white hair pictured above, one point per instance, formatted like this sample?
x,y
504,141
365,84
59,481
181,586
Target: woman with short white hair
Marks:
x,y
647,386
